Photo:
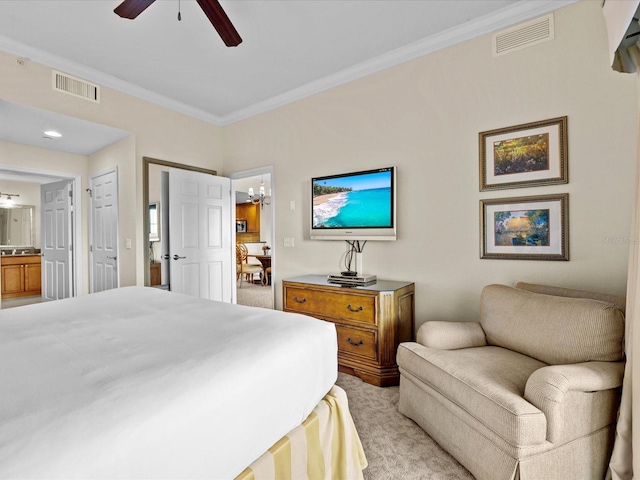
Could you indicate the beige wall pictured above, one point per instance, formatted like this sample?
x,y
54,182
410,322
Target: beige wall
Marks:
x,y
157,132
424,117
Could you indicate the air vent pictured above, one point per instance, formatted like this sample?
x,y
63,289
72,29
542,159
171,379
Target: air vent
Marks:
x,y
76,87
523,35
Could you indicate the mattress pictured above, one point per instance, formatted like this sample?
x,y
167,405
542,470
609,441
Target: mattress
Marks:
x,y
142,383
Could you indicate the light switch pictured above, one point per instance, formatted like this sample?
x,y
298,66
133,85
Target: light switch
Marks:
x,y
292,205
288,242
127,243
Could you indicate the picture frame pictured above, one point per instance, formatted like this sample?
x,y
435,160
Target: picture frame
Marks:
x,y
525,228
526,155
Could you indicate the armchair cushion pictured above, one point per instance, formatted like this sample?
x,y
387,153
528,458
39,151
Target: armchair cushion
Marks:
x,y
451,335
487,382
554,330
616,300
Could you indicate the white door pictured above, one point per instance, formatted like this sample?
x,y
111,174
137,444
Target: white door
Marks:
x,y
104,231
200,235
56,225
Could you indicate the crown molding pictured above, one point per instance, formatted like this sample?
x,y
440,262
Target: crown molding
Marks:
x,y
103,79
506,17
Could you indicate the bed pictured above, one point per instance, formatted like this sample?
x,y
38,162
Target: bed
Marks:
x,y
142,383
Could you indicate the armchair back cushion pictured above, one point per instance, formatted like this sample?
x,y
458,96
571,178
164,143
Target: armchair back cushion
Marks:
x,y
616,300
554,330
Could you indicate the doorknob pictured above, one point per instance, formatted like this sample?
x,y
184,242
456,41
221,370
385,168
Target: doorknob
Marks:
x,y
112,258
166,256
176,257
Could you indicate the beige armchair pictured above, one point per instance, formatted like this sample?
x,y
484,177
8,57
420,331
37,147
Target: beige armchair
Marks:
x,y
530,391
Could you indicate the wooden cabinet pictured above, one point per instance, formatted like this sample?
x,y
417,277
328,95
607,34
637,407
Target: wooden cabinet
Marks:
x,y
251,214
155,274
21,275
370,321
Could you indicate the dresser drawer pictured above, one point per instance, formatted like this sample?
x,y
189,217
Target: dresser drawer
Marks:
x,y
356,341
348,306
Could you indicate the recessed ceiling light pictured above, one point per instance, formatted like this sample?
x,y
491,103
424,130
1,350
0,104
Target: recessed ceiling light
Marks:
x,y
53,134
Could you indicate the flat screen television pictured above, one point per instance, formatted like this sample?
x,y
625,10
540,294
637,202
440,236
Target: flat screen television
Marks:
x,y
354,206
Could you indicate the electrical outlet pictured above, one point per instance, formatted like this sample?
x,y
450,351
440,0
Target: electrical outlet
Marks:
x,y
288,242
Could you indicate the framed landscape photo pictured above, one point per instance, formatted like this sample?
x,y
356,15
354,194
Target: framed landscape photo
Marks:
x,y
525,228
524,155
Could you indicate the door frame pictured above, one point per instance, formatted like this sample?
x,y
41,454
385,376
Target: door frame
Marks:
x,y
90,231
146,161
255,172
76,219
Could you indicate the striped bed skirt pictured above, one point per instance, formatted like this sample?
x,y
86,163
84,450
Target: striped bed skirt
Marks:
x,y
325,446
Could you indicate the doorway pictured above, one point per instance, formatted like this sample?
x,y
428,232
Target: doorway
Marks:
x,y
254,226
30,181
198,219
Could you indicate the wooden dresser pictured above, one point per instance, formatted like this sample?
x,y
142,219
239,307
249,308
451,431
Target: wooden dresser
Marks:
x,y
21,275
370,321
155,274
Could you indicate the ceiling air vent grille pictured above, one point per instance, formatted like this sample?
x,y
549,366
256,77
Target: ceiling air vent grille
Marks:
x,y
76,87
523,35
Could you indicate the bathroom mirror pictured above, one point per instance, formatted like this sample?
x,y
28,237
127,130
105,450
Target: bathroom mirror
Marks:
x,y
17,226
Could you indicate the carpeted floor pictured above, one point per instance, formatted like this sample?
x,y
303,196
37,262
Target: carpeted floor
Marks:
x,y
396,448
255,295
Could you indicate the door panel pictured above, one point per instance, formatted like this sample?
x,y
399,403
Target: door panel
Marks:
x,y
214,224
200,235
56,204
104,231
215,272
33,278
12,278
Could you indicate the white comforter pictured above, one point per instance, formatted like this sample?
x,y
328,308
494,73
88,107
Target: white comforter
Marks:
x,y
141,383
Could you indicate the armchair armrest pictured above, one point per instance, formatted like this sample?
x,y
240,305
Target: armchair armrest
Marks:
x,y
547,388
451,335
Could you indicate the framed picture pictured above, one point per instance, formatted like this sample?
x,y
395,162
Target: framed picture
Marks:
x,y
525,228
524,155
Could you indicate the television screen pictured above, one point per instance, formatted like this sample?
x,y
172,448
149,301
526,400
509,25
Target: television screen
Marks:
x,y
354,206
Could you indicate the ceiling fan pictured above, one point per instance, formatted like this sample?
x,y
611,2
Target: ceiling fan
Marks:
x,y
132,8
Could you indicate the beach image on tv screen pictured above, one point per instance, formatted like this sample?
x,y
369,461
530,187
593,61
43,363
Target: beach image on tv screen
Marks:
x,y
353,201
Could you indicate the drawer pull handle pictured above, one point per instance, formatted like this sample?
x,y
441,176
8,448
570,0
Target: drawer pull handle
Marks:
x,y
298,300
354,309
351,342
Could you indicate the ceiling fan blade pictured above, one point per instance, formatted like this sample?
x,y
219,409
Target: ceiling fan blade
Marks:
x,y
221,22
132,8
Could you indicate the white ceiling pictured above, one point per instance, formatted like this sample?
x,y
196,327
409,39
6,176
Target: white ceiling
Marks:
x,y
291,48
27,126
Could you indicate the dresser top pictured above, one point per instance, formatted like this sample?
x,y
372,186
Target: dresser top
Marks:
x,y
379,286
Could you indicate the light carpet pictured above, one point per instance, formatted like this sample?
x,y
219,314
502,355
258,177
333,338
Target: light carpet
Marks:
x,y
395,446
254,295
